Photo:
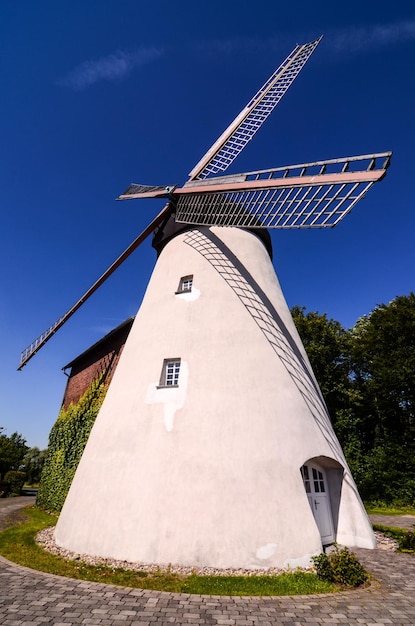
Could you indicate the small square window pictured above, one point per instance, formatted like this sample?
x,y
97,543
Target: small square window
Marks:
x,y
185,284
170,373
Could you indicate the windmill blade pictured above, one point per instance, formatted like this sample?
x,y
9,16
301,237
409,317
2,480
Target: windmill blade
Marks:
x,y
313,195
146,191
38,343
234,139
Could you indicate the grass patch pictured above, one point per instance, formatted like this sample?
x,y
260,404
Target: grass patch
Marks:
x,y
290,583
18,545
405,538
380,508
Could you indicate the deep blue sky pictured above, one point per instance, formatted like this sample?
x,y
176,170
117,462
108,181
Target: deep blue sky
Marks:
x,y
99,93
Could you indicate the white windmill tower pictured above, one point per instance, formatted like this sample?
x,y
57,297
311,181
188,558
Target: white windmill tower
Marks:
x,y
213,446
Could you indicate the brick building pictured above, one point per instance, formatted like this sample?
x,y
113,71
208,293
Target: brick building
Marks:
x,y
101,358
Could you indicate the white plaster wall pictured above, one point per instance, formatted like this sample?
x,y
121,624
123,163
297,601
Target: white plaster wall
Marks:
x,y
207,473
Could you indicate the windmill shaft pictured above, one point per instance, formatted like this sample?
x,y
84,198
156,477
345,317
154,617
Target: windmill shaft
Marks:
x,y
31,350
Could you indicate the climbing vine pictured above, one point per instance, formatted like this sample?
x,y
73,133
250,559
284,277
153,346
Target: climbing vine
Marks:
x,y
67,441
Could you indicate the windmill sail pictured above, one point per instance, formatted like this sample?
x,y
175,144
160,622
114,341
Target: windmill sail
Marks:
x,y
234,139
313,195
38,343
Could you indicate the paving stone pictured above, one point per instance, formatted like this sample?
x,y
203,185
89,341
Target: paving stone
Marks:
x,y
29,598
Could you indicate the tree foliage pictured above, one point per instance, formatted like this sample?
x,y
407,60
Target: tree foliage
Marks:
x,y
12,451
67,441
382,354
32,464
15,481
325,342
383,358
367,375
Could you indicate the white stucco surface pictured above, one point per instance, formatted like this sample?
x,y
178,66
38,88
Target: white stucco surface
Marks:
x,y
208,473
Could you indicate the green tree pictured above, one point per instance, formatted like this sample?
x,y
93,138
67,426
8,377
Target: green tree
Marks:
x,y
326,344
32,464
382,353
383,360
367,376
12,451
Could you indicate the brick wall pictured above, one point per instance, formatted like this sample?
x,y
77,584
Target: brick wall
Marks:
x,y
101,358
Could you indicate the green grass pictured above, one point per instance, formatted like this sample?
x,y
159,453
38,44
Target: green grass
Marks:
x,y
294,583
18,545
379,508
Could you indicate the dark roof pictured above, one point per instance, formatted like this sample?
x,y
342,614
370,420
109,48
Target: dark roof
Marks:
x,y
114,331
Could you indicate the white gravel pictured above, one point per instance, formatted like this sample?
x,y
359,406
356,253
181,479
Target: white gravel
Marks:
x,y
46,539
385,542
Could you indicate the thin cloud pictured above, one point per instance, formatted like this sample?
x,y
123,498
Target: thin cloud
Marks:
x,y
115,66
365,38
352,40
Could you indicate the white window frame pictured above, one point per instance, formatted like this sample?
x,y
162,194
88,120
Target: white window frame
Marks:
x,y
185,284
170,373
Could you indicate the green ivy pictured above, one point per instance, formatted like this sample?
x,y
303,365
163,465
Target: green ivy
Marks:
x,y
67,441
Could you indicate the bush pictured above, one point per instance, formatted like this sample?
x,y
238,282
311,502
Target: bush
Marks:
x,y
408,542
4,489
15,480
340,566
323,567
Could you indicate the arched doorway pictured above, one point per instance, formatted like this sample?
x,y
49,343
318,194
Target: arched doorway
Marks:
x,y
316,487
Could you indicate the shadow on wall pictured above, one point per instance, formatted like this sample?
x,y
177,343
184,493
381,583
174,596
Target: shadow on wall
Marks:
x,y
268,320
266,317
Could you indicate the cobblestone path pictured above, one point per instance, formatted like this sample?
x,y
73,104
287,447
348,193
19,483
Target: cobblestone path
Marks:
x,y
29,598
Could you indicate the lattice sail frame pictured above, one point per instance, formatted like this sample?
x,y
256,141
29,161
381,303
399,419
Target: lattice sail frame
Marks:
x,y
309,195
313,195
234,139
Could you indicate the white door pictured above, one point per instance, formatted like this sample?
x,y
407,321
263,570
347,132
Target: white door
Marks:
x,y
315,484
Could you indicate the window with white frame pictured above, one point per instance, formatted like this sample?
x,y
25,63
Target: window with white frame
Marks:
x,y
185,284
170,373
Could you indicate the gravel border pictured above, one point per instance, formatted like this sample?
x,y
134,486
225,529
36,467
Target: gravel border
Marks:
x,y
46,539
